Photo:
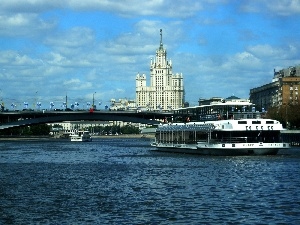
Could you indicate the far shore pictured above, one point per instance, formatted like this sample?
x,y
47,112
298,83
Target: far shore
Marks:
x,y
21,137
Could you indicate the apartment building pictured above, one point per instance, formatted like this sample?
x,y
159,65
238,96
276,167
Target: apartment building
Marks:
x,y
283,90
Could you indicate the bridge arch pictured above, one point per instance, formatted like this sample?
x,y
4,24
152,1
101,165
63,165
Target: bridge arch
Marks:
x,y
32,118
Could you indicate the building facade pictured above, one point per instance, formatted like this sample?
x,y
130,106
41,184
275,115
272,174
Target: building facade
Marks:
x,y
122,104
72,126
216,100
283,90
166,90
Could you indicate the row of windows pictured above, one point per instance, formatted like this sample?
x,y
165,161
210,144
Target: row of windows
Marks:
x,y
255,122
296,93
172,94
292,88
159,71
291,98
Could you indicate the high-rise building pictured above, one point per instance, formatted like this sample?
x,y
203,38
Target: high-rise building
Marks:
x,y
283,90
166,90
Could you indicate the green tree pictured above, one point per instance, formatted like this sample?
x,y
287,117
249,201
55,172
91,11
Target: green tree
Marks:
x,y
288,115
40,129
129,129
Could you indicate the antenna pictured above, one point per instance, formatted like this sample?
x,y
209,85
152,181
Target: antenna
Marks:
x,y
161,37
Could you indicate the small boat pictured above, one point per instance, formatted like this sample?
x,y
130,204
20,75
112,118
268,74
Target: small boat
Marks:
x,y
221,137
81,136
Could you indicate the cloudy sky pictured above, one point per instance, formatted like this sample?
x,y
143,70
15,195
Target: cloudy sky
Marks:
x,y
96,47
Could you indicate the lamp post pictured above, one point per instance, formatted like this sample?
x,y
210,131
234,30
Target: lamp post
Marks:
x,y
93,106
66,101
36,100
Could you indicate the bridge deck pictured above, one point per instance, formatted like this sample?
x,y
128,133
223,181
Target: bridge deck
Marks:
x,y
24,118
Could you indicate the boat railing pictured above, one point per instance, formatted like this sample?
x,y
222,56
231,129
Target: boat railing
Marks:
x,y
227,116
229,140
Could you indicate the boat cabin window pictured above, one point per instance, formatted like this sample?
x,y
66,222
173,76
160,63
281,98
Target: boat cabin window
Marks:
x,y
256,122
269,122
242,122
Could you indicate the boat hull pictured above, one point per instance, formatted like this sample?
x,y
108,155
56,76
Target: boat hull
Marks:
x,y
81,140
81,136
225,149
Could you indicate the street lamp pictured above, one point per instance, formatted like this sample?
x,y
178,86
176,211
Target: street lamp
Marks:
x,y
66,106
36,105
93,106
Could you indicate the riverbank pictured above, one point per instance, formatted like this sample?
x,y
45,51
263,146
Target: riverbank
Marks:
x,y
46,138
126,136
20,138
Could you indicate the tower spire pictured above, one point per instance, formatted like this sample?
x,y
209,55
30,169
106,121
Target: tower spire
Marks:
x,y
161,44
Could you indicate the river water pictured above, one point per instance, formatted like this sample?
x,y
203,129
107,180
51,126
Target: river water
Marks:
x,y
124,181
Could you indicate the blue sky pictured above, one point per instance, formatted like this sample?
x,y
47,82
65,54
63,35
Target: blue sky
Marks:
x,y
83,48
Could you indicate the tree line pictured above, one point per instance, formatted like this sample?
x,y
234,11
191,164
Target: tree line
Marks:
x,y
288,115
44,129
36,130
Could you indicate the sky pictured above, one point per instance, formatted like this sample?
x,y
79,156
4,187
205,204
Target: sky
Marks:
x,y
93,49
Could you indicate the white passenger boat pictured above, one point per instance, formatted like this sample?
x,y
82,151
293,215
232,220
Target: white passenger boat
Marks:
x,y
81,136
221,137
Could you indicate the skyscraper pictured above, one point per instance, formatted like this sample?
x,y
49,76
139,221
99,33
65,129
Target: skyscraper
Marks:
x,y
166,90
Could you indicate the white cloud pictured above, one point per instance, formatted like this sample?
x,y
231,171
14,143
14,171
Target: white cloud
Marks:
x,y
20,24
58,60
76,37
275,53
12,59
77,84
276,7
265,50
29,6
243,60
284,7
127,8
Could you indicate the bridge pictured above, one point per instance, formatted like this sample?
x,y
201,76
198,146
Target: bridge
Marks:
x,y
11,119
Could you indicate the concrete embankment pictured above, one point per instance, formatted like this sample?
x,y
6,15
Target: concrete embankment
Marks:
x,y
126,136
291,136
20,138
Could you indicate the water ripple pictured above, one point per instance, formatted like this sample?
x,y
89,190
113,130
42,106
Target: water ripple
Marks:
x,y
122,181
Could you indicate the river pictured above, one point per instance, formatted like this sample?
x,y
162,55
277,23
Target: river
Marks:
x,y
124,181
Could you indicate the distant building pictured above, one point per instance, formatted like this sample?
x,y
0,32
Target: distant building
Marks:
x,y
215,100
283,90
166,90
217,108
71,126
122,104
203,101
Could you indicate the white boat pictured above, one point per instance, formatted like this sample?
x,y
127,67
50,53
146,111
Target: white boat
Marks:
x,y
221,137
81,136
